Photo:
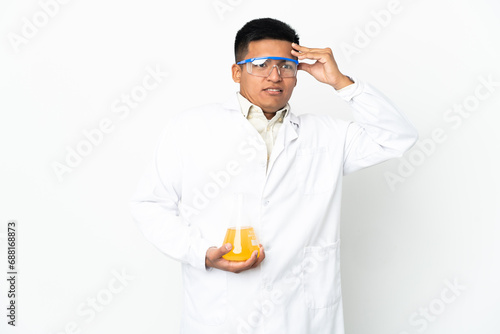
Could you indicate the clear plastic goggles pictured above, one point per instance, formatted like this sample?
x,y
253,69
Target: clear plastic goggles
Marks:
x,y
263,66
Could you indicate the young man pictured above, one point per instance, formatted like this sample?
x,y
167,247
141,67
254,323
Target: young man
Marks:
x,y
290,170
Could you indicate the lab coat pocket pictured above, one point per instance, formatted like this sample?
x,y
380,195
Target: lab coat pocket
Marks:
x,y
314,170
321,275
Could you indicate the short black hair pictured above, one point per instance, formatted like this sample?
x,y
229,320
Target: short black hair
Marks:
x,y
258,29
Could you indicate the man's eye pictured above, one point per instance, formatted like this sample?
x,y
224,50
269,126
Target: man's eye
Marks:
x,y
287,67
260,65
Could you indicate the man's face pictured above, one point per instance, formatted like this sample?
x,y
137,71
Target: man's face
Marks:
x,y
262,91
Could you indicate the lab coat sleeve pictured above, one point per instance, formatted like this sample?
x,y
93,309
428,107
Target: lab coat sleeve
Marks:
x,y
379,131
155,205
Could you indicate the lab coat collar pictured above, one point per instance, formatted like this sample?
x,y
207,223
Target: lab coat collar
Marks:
x,y
246,107
290,121
288,132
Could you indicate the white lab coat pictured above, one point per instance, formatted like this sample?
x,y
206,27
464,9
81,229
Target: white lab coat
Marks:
x,y
183,206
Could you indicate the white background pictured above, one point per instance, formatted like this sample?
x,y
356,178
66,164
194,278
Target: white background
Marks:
x,y
400,244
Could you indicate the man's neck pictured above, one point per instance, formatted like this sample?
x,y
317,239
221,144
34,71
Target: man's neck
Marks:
x,y
267,113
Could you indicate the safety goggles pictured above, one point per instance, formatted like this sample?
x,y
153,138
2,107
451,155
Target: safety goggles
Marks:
x,y
263,66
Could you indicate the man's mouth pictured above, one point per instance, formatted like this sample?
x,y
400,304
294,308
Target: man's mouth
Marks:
x,y
273,90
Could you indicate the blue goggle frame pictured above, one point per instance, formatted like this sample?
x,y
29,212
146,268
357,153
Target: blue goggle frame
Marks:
x,y
274,58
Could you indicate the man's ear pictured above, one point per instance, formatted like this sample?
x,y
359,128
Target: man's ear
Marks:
x,y
236,70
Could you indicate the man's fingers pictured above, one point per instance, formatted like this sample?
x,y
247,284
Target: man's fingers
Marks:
x,y
262,254
300,47
304,67
215,257
218,252
226,248
253,258
304,49
322,57
238,267
261,257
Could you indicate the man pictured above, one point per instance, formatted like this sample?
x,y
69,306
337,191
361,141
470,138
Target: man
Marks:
x,y
290,169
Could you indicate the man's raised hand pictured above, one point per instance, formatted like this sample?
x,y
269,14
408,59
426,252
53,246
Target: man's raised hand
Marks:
x,y
325,68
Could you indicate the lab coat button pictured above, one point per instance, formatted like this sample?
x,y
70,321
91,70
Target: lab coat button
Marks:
x,y
266,203
269,287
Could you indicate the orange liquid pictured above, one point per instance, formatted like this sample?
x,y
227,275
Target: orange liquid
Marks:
x,y
249,243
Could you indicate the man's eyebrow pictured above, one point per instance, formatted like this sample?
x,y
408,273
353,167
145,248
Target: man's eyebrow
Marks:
x,y
282,60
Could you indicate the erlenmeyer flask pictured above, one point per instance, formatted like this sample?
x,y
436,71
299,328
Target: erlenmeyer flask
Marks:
x,y
240,234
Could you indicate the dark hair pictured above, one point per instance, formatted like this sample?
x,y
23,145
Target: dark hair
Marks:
x,y
259,29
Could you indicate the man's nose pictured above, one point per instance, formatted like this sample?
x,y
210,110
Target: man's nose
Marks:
x,y
274,75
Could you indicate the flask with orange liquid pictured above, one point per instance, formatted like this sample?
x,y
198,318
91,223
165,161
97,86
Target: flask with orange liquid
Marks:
x,y
242,238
